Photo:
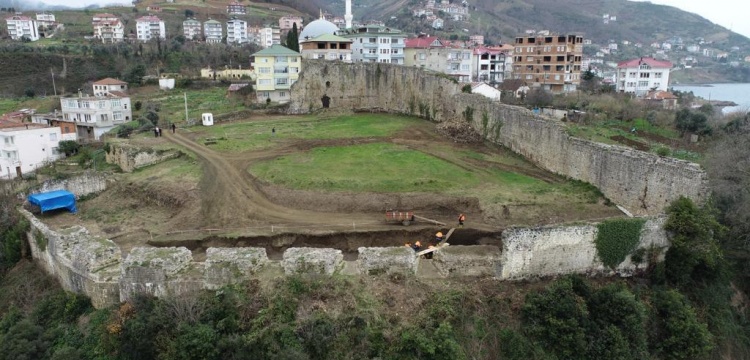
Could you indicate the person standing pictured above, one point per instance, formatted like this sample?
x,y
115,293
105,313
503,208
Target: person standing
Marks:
x,y
174,128
156,131
273,131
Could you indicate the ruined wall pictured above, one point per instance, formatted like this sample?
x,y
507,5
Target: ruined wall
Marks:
x,y
129,157
82,263
93,266
641,182
89,182
557,250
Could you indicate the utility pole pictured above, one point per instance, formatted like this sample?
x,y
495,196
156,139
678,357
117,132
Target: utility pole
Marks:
x,y
186,111
53,81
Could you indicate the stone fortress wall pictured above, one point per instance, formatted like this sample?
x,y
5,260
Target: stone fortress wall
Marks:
x,y
643,183
95,266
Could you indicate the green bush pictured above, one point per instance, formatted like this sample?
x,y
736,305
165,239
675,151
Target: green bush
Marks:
x,y
616,239
678,332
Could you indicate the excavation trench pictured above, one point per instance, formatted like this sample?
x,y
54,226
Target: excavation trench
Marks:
x,y
347,242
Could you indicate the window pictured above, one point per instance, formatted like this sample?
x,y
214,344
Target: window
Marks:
x,y
293,70
645,75
264,81
384,51
10,140
642,83
53,137
282,81
102,104
373,51
631,74
529,58
656,85
116,116
281,59
55,151
385,41
264,70
467,56
657,75
104,117
422,56
116,103
264,60
465,67
282,94
87,117
372,40
394,51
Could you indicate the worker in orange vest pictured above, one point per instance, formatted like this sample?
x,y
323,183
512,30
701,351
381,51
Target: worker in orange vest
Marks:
x,y
438,237
461,219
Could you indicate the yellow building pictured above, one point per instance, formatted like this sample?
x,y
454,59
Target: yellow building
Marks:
x,y
227,73
276,68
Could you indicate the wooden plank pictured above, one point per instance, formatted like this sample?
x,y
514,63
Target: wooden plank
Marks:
x,y
450,232
434,248
429,220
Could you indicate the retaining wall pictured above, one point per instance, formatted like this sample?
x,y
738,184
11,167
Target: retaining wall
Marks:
x,y
89,182
643,183
93,266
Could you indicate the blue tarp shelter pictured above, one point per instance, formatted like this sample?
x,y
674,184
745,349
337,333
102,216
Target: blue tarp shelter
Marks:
x,y
52,200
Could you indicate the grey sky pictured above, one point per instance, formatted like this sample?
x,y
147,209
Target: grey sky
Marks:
x,y
731,14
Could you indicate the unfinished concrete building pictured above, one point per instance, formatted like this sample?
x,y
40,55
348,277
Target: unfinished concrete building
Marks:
x,y
549,61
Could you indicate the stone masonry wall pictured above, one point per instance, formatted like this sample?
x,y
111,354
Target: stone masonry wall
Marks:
x,y
641,182
557,250
89,182
94,267
82,263
130,158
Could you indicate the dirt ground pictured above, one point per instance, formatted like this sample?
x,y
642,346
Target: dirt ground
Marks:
x,y
230,207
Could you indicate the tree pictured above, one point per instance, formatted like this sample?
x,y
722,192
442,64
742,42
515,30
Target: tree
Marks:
x,y
538,97
68,147
292,39
466,89
30,92
679,333
189,13
687,121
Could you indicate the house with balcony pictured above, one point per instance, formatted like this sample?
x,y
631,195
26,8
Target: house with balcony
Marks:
x,y
432,53
488,64
108,28
375,43
22,27
150,27
213,31
46,19
26,147
55,119
549,61
236,8
641,75
327,47
266,36
236,31
277,69
95,115
191,29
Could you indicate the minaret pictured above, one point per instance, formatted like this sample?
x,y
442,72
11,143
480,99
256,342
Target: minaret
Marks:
x,y
348,16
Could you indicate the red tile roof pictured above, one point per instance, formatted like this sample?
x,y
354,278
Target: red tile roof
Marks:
x,y
110,81
421,42
645,60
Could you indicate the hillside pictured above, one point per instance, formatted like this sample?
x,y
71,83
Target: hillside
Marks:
x,y
502,20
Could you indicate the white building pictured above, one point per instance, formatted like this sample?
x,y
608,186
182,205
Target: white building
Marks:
x,y
191,29
638,76
269,36
236,9
213,31
22,27
236,31
150,27
489,64
108,28
486,90
26,147
110,86
95,115
376,44
45,19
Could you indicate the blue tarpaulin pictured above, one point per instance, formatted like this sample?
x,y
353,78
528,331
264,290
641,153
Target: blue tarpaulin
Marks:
x,y
52,200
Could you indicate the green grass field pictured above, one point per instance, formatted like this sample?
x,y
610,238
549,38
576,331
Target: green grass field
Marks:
x,y
256,135
172,104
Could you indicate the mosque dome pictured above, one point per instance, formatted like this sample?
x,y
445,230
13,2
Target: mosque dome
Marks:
x,y
317,28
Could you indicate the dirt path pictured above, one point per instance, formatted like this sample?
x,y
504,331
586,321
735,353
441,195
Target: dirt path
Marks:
x,y
231,198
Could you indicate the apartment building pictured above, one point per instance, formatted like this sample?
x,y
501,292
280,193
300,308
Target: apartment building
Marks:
x,y
150,27
434,54
26,147
549,61
236,8
327,47
191,29
95,115
108,28
22,27
641,75
277,68
236,31
287,22
266,36
110,86
375,43
213,31
488,64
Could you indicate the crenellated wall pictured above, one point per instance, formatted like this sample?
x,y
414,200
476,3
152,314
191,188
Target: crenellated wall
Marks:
x,y
643,183
93,266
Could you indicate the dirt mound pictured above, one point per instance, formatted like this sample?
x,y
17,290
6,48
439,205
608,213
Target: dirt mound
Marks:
x,y
631,143
461,132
